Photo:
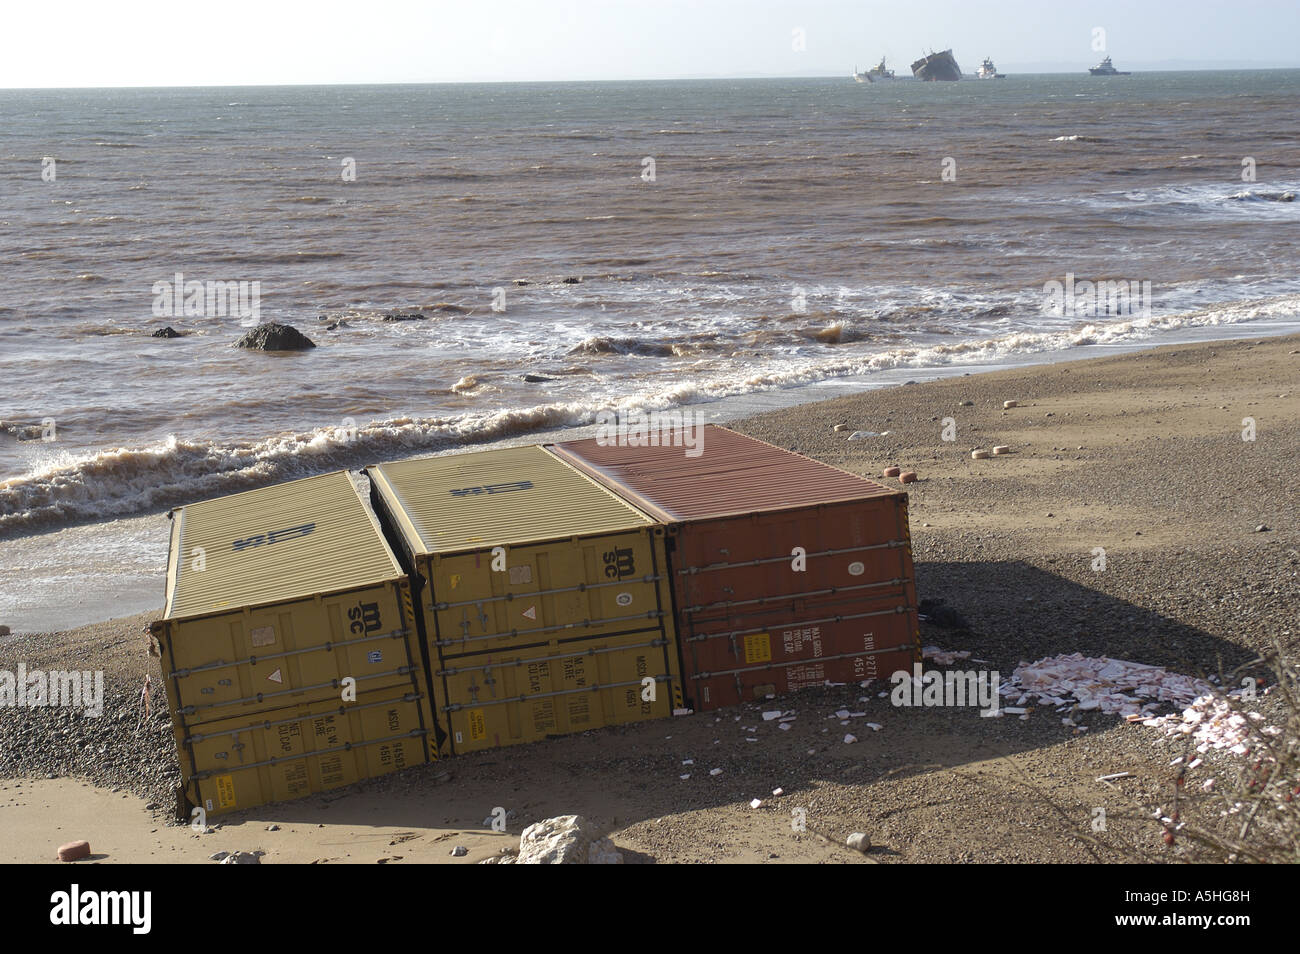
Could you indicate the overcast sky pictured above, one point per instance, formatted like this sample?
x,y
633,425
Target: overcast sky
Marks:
x,y
237,42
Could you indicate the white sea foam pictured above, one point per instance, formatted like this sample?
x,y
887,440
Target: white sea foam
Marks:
x,y
65,488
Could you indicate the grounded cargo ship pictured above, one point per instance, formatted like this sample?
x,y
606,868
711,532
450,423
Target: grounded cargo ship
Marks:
x,y
937,66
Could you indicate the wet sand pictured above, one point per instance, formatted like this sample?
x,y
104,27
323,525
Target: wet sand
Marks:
x,y
1141,455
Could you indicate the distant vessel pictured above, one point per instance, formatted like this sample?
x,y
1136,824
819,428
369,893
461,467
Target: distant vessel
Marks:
x,y
937,66
879,71
988,71
1106,68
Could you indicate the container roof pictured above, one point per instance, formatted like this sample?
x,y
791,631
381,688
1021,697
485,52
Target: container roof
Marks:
x,y
275,544
504,497
733,474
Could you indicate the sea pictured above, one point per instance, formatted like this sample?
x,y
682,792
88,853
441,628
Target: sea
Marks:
x,y
500,262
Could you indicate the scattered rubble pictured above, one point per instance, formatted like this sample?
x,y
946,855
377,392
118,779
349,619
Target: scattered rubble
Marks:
x,y
1111,686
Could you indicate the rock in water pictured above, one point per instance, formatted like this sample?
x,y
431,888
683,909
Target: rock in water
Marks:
x,y
566,840
275,337
168,332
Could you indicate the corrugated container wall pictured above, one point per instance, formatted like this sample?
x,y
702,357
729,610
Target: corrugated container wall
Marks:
x,y
275,597
545,600
787,572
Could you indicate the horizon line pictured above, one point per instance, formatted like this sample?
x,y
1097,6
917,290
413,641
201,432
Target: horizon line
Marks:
x,y
691,77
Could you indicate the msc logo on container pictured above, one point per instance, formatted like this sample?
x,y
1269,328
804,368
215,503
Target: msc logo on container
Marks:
x,y
619,563
492,488
275,536
364,618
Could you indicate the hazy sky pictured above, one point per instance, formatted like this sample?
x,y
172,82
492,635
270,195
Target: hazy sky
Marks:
x,y
234,42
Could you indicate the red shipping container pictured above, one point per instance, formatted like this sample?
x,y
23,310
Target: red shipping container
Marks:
x,y
786,572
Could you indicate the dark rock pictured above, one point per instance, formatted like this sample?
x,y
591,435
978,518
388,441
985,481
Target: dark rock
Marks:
x,y
536,379
572,281
275,337
335,325
168,332
398,316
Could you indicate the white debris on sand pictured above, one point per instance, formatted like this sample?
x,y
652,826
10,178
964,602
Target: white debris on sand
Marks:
x,y
1213,724
942,657
850,739
1112,686
773,714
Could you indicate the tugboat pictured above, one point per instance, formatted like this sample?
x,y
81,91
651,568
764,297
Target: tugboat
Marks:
x,y
1106,68
937,66
880,71
988,71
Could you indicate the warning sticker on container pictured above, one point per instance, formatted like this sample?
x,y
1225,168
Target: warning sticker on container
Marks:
x,y
225,791
531,612
455,580
521,574
856,569
375,656
275,677
477,725
262,636
758,648
623,599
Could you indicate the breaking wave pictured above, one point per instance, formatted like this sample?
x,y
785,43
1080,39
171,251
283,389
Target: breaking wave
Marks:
x,y
126,481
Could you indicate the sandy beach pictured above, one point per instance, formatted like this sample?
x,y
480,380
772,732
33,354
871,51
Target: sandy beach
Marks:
x,y
1141,455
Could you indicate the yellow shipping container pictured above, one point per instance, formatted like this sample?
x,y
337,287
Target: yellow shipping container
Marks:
x,y
276,596
546,604
248,761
